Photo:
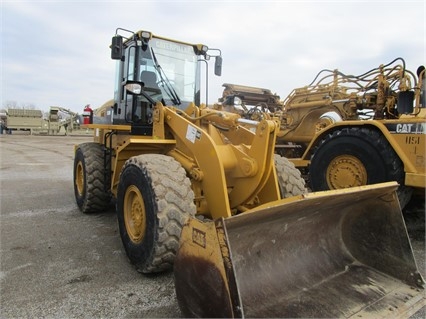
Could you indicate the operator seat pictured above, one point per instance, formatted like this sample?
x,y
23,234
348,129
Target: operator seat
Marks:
x,y
149,79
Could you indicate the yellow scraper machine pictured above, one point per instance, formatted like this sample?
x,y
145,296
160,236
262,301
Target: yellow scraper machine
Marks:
x,y
199,192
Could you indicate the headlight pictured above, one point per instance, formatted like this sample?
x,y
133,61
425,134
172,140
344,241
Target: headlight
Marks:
x,y
133,88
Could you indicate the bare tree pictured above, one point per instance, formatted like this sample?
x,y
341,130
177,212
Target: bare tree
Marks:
x,y
10,104
21,105
28,106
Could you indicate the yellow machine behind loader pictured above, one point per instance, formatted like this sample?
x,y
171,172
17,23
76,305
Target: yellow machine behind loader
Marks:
x,y
197,191
345,130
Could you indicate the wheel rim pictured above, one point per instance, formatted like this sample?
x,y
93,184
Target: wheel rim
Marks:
x,y
134,214
346,171
79,178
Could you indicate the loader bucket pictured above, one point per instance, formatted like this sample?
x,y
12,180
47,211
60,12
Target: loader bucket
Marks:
x,y
335,254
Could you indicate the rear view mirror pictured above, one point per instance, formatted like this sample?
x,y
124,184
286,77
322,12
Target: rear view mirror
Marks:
x,y
218,66
117,47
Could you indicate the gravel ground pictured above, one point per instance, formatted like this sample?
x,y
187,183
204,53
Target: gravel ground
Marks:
x,y
58,262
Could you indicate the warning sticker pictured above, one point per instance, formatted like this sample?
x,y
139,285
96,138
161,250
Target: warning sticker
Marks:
x,y
199,237
192,134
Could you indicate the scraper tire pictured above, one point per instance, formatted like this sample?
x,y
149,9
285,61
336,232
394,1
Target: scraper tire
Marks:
x,y
290,180
91,182
154,200
356,156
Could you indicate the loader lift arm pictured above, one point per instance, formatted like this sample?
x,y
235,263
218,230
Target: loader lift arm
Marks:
x,y
227,162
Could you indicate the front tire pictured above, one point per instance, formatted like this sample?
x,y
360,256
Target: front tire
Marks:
x,y
354,157
154,201
91,181
290,180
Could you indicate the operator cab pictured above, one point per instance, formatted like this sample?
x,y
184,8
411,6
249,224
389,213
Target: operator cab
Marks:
x,y
153,70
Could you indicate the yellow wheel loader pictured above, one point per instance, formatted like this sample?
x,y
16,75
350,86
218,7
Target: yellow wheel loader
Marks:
x,y
198,192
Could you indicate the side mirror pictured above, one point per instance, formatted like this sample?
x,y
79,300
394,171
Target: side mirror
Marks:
x,y
117,47
218,66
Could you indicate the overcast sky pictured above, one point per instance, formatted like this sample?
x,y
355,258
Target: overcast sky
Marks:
x,y
56,53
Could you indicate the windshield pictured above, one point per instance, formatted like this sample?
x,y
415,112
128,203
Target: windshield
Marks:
x,y
172,68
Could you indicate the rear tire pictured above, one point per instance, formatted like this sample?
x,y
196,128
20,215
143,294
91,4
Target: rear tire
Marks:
x,y
354,157
290,180
154,201
91,181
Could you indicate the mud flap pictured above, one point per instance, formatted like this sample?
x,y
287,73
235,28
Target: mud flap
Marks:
x,y
342,253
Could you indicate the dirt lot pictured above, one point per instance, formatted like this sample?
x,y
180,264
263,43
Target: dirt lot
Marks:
x,y
58,262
